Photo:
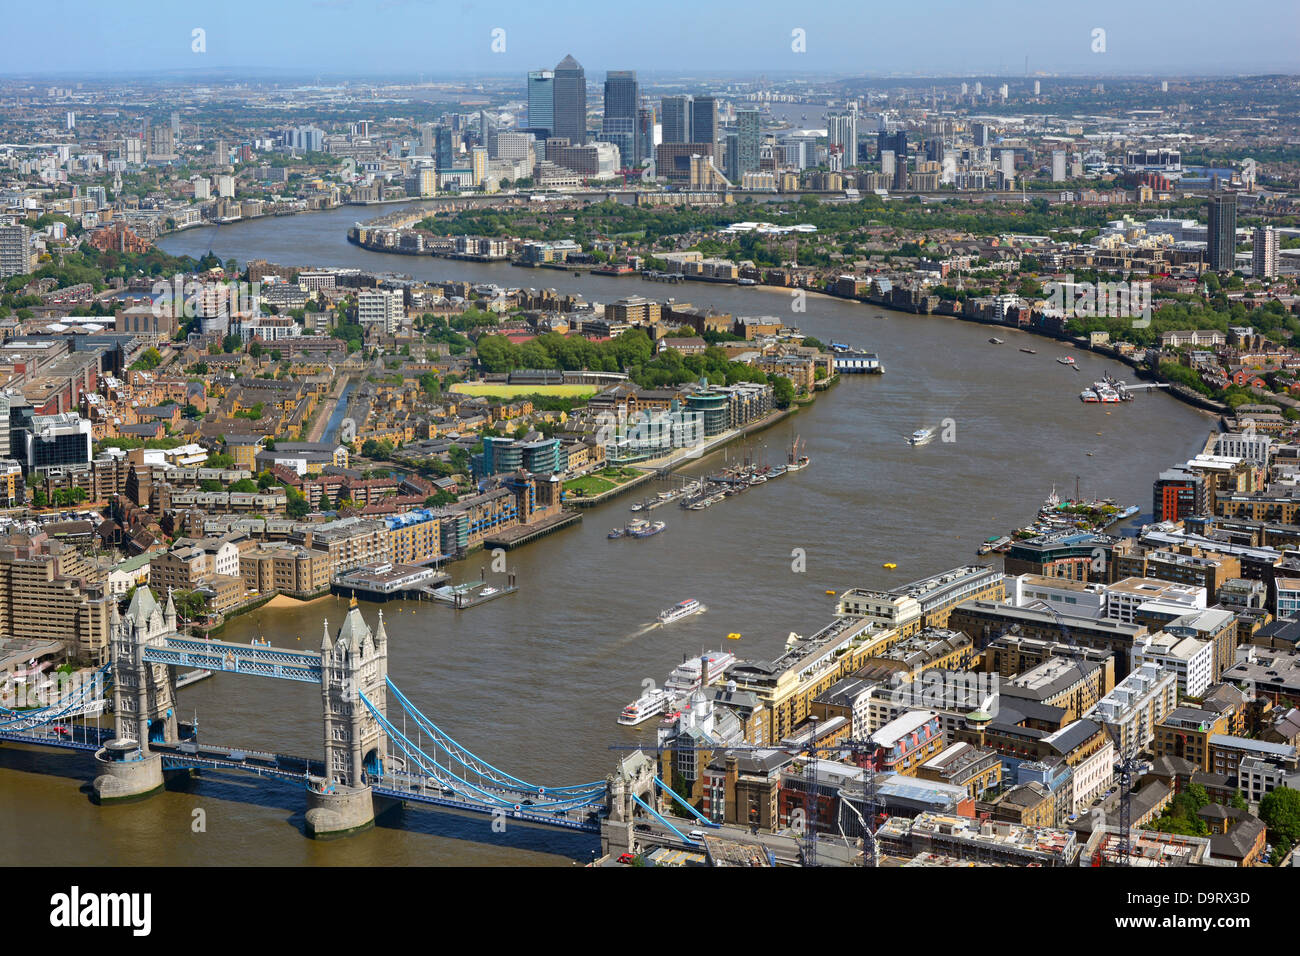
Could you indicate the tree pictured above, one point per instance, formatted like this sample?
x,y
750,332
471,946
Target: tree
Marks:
x,y
150,358
459,458
782,391
442,497
297,506
372,448
66,497
40,499
1280,811
190,604
231,342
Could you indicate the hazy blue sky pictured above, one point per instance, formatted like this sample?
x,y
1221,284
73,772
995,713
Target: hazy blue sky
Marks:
x,y
451,36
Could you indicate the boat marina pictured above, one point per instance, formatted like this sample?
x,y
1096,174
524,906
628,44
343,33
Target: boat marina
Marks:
x,y
1069,515
735,479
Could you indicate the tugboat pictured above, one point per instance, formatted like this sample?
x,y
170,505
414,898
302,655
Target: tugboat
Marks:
x,y
1066,359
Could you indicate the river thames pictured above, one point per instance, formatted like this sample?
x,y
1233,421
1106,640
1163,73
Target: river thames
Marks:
x,y
533,681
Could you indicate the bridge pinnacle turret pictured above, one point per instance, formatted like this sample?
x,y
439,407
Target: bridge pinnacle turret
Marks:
x,y
326,645
381,635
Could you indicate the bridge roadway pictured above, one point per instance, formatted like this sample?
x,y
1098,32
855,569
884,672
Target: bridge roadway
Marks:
x,y
419,788
64,736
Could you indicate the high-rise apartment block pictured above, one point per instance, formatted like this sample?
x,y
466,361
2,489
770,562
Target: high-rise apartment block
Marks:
x,y
748,140
16,256
380,308
1264,252
1221,245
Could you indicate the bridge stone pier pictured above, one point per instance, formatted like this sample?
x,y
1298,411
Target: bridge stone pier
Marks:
x,y
144,702
634,776
353,663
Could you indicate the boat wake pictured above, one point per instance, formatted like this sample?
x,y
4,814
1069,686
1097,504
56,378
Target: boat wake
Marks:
x,y
617,645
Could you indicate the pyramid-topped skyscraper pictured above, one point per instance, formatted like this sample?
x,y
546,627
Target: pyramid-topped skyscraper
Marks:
x,y
570,101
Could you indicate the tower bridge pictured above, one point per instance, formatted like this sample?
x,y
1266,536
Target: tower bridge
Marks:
x,y
365,753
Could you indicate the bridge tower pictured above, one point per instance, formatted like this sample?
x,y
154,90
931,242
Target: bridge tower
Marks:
x,y
144,701
353,662
634,776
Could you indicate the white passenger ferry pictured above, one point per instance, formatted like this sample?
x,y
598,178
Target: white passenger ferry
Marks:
x,y
686,676
678,611
644,707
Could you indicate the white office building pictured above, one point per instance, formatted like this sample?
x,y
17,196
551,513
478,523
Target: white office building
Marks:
x,y
1124,599
1288,598
1252,447
1073,598
1190,661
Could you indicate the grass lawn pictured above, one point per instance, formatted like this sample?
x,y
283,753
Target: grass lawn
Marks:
x,y
597,483
495,390
588,486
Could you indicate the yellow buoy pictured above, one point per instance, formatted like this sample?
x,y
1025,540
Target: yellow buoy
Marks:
x,y
890,564
733,636
830,592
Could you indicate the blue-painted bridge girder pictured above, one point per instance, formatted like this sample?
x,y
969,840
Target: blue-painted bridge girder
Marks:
x,y
254,660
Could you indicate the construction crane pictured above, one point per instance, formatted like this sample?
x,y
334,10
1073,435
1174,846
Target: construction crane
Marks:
x,y
1126,763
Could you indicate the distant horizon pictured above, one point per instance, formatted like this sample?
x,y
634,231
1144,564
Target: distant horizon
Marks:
x,y
380,38
407,78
